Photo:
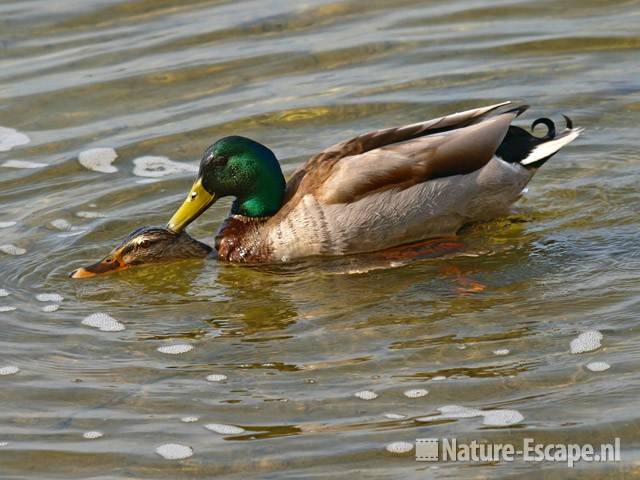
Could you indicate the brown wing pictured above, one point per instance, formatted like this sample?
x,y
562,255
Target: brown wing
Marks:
x,y
311,176
401,165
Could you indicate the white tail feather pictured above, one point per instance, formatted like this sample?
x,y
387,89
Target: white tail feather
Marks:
x,y
552,146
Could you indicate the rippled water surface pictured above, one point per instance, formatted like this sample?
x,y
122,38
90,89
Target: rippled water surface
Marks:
x,y
288,347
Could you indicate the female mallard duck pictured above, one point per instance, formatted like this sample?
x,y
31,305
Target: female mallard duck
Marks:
x,y
378,190
146,245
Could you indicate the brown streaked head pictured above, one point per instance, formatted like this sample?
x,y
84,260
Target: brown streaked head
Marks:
x,y
146,245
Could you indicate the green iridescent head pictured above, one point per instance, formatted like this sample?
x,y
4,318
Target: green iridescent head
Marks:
x,y
238,167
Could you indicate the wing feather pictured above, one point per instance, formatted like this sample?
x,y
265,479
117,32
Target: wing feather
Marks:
x,y
400,156
399,166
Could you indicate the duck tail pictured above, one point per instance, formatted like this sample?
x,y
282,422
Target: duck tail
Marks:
x,y
520,146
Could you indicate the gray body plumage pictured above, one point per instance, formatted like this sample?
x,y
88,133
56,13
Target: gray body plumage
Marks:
x,y
389,218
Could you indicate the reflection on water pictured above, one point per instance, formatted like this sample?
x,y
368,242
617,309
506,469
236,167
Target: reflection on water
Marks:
x,y
106,107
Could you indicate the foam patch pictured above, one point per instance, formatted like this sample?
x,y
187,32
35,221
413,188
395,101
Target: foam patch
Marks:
x,y
50,308
224,429
92,435
103,322
394,416
216,377
457,411
23,164
7,224
61,224
9,370
399,447
7,308
11,249
10,137
154,167
4,293
175,349
450,412
189,419
49,297
98,159
501,352
502,418
366,395
586,342
416,393
89,214
174,451
598,366
496,418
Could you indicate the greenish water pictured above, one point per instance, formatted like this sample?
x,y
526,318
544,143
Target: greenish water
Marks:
x,y
167,78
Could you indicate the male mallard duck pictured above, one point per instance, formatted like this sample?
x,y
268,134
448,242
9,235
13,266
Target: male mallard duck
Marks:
x,y
378,190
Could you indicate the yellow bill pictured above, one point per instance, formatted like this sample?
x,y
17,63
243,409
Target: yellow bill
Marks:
x,y
197,202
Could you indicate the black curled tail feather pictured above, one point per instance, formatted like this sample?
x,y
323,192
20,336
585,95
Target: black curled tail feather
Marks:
x,y
520,146
551,128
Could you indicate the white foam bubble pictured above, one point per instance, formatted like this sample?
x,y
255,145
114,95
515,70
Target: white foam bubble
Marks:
x,y
49,297
4,293
89,214
92,435
216,377
498,418
189,419
23,164
61,224
9,370
449,412
10,137
598,366
8,224
501,352
399,447
103,322
4,444
501,418
11,249
7,308
174,451
586,342
366,395
394,416
439,378
98,159
175,349
224,429
416,393
51,308
457,411
153,166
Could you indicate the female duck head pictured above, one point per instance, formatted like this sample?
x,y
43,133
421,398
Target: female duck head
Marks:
x,y
146,245
238,167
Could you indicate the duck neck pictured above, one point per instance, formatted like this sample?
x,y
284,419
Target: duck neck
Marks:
x,y
263,200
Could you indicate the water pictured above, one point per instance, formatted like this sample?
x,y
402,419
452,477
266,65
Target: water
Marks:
x,y
166,79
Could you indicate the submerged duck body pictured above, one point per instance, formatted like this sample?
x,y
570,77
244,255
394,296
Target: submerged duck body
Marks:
x,y
376,191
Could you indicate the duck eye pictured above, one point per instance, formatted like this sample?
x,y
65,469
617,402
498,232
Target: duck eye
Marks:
x,y
220,161
145,244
